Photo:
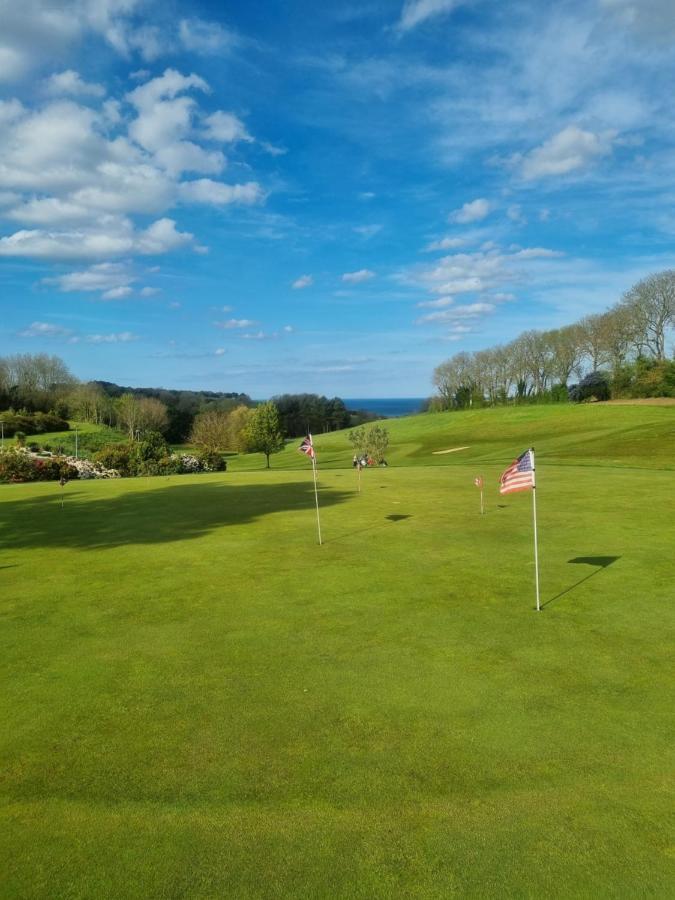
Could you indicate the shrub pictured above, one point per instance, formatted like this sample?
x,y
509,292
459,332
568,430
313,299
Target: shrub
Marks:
x,y
594,386
121,457
210,461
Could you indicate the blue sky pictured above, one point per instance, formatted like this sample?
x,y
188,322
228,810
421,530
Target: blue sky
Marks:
x,y
291,196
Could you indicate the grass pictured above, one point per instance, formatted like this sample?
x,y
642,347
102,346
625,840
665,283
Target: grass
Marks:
x,y
200,702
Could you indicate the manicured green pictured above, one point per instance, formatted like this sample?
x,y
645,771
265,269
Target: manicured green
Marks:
x,y
198,701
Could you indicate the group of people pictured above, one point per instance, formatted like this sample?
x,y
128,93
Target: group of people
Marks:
x,y
360,462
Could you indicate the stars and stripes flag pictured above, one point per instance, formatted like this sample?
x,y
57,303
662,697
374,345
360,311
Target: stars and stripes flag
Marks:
x,y
519,476
307,447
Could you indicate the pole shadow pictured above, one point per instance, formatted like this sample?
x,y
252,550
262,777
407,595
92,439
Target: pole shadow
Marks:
x,y
397,518
601,562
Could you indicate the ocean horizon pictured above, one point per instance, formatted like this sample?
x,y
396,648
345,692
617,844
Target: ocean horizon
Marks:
x,y
386,406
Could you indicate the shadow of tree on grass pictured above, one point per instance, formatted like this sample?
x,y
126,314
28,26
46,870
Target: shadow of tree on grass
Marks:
x,y
172,513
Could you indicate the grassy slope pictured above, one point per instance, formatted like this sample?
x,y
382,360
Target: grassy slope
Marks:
x,y
640,436
198,701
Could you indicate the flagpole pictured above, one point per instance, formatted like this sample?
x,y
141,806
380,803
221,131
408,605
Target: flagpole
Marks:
x,y
316,497
481,500
534,518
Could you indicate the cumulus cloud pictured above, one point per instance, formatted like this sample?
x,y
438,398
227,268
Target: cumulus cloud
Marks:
x,y
358,277
103,278
225,127
474,211
72,188
303,281
570,150
71,83
119,238
215,193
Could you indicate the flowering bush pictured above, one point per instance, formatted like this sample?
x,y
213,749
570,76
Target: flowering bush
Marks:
x,y
189,463
20,465
85,469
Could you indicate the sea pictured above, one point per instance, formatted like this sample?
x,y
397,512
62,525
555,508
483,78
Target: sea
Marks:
x,y
386,406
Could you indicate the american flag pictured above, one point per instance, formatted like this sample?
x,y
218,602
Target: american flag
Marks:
x,y
307,447
519,476
478,481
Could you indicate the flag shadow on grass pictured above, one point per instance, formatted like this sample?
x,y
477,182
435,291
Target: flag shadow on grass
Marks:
x,y
170,513
600,562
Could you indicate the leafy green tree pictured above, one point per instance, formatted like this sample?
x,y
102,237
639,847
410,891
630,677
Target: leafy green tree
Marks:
x,y
263,432
210,431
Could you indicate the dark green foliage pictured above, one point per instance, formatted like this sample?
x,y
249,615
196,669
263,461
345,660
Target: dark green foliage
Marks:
x,y
645,378
122,457
595,386
301,414
32,423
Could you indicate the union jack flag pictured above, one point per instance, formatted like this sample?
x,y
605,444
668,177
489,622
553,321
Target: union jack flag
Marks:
x,y
307,447
519,476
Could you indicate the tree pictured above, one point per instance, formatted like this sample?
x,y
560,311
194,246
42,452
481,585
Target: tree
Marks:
x,y
152,414
127,414
211,431
370,442
263,432
652,305
378,441
237,423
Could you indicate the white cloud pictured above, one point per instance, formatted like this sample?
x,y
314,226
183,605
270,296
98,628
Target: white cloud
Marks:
x,y
446,243
121,337
114,237
474,211
358,277
235,323
45,329
117,293
570,150
70,82
216,193
103,277
537,253
225,127
470,311
441,303
149,291
288,329
415,12
303,281
256,336
220,351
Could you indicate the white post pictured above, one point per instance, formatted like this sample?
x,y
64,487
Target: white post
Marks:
x,y
481,500
76,448
534,517
358,469
316,497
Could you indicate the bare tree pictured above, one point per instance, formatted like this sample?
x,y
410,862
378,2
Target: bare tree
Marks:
x,y
652,304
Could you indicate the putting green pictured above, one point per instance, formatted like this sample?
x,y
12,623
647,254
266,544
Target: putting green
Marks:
x,y
198,701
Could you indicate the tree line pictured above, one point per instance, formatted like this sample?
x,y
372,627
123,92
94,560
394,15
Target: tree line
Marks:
x,y
628,343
